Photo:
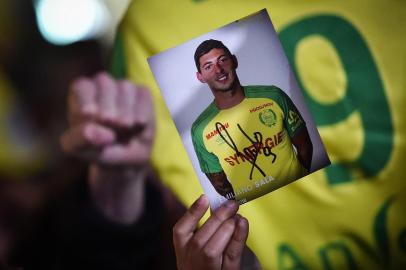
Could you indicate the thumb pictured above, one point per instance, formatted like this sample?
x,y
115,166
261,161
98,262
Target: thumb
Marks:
x,y
86,136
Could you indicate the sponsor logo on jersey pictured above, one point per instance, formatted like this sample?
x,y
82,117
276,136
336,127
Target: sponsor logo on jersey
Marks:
x,y
260,107
215,131
294,120
220,140
267,117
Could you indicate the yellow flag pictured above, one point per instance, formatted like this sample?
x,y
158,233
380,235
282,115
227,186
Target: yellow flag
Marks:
x,y
20,155
350,61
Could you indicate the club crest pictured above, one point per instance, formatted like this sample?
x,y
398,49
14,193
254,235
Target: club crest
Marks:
x,y
267,117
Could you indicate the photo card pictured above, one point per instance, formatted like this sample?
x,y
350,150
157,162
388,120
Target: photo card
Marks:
x,y
239,110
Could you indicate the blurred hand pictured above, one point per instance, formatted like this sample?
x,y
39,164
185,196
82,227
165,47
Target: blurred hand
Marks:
x,y
111,122
218,244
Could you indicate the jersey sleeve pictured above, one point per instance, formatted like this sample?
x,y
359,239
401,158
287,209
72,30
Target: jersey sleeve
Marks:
x,y
209,163
292,118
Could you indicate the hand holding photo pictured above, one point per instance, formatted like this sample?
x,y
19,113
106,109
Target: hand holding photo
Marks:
x,y
244,139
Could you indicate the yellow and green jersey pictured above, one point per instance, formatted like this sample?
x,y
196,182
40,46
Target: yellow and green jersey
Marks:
x,y
251,142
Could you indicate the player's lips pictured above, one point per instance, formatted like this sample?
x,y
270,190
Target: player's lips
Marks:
x,y
222,78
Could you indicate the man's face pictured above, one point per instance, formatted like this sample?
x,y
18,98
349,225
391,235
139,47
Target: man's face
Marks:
x,y
217,69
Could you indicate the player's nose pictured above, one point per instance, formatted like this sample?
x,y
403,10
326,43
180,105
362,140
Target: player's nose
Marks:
x,y
218,68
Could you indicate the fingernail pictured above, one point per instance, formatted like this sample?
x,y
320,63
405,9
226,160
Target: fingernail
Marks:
x,y
242,222
200,200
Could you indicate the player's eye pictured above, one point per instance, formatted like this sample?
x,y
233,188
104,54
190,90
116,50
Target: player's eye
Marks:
x,y
223,59
208,67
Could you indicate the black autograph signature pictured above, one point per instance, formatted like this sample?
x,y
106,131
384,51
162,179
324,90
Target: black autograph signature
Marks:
x,y
257,142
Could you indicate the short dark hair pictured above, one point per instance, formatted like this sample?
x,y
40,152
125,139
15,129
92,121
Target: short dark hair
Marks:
x,y
206,46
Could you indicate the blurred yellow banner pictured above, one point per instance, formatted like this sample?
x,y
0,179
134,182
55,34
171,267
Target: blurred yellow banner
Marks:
x,y
350,61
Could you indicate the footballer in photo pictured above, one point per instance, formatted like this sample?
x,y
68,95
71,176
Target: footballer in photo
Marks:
x,y
239,110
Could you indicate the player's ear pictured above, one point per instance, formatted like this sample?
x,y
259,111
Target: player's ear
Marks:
x,y
200,77
235,61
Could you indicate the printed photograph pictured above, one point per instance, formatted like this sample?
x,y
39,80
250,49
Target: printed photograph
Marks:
x,y
239,110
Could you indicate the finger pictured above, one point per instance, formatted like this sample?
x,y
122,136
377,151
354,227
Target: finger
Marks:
x,y
85,137
187,224
215,247
106,98
233,254
224,212
136,153
143,108
125,103
82,100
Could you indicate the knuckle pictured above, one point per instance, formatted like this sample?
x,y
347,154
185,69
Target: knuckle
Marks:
x,y
225,212
239,237
107,93
176,231
233,253
144,92
126,85
210,254
79,84
217,217
196,243
103,75
229,225
143,88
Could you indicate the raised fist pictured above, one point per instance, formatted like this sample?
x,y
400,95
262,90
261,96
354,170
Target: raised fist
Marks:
x,y
111,122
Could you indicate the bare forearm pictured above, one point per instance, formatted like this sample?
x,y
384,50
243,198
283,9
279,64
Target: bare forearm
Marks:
x,y
305,157
304,148
118,192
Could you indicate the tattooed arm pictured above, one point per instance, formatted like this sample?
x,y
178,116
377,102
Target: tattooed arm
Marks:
x,y
304,148
221,184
